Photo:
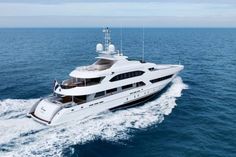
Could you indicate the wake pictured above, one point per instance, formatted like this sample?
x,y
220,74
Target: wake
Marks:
x,y
20,136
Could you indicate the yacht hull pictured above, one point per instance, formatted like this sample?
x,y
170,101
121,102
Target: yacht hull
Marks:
x,y
114,102
137,102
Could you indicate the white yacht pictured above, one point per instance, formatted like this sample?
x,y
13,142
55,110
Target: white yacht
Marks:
x,y
110,83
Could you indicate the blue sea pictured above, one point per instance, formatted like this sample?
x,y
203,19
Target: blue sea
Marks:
x,y
194,117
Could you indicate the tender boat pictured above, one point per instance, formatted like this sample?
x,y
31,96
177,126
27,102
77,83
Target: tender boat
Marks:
x,y
111,82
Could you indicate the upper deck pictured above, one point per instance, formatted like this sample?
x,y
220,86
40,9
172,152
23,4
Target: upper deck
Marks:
x,y
110,64
103,66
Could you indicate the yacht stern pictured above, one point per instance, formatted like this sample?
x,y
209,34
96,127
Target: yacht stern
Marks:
x,y
44,111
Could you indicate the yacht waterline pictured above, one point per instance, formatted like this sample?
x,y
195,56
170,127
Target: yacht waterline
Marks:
x,y
111,82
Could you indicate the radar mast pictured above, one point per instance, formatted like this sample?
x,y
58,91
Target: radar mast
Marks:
x,y
107,38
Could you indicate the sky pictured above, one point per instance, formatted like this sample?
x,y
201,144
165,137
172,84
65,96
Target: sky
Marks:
x,y
118,13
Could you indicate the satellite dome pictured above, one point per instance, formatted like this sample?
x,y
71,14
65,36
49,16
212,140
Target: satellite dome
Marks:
x,y
99,47
111,48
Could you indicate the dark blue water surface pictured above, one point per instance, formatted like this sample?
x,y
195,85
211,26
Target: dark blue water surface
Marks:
x,y
202,124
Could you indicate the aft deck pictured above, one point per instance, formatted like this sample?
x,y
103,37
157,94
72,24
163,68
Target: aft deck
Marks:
x,y
76,82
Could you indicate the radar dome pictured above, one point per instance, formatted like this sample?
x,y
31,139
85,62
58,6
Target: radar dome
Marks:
x,y
111,48
99,47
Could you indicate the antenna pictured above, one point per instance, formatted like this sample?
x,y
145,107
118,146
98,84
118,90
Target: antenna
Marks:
x,y
143,47
121,39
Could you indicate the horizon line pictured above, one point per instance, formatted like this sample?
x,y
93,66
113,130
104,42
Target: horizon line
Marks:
x,y
188,27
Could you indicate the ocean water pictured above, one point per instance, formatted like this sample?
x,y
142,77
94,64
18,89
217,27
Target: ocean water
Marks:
x,y
195,116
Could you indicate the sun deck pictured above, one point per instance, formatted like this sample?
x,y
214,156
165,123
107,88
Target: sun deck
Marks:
x,y
99,65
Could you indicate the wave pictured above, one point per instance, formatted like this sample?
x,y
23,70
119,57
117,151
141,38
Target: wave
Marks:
x,y
20,136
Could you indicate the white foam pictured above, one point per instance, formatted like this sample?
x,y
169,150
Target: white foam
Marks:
x,y
21,136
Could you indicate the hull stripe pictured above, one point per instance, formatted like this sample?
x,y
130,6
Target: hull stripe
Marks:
x,y
134,102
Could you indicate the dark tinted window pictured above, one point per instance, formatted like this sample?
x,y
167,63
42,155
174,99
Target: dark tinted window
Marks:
x,y
161,79
65,99
138,84
127,86
80,99
93,81
111,90
127,75
99,94
152,69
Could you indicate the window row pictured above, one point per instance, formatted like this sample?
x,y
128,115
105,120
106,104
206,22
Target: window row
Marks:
x,y
127,75
84,98
161,79
113,90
